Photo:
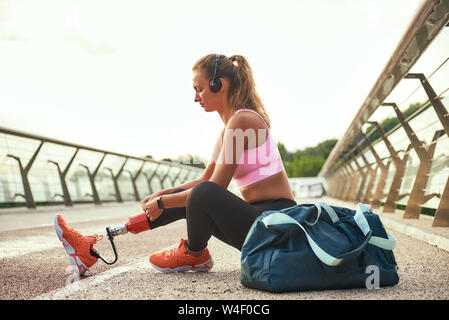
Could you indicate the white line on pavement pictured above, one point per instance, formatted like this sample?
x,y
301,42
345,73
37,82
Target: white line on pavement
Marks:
x,y
84,284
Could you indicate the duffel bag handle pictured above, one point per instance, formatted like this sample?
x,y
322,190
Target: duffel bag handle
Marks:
x,y
360,219
362,223
281,218
328,209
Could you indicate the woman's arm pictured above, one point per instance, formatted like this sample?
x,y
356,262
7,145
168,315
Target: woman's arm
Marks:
x,y
176,199
227,152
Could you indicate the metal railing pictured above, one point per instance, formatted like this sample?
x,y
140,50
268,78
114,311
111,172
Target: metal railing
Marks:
x,y
408,166
40,170
308,187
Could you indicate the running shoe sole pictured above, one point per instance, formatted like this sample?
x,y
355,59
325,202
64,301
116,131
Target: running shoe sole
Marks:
x,y
68,248
76,262
203,267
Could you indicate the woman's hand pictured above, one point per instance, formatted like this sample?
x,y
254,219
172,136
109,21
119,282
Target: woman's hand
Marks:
x,y
145,201
148,199
152,210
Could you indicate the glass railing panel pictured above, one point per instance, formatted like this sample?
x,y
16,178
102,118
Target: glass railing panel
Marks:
x,y
79,184
425,125
388,181
169,182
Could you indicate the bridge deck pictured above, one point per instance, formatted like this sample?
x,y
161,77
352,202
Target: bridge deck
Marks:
x,y
33,263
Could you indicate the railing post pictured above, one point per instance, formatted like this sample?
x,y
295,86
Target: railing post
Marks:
x,y
417,197
366,197
340,192
383,175
333,181
133,181
330,180
186,176
366,175
438,106
354,181
176,177
165,177
346,188
413,208
62,176
363,175
151,178
393,194
92,176
441,218
28,195
118,195
340,181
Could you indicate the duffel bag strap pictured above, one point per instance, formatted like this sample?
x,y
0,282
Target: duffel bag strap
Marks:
x,y
360,219
277,218
387,244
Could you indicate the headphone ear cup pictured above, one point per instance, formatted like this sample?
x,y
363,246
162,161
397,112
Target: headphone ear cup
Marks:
x,y
215,85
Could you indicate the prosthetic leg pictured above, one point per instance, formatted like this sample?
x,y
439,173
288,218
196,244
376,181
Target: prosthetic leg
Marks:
x,y
135,224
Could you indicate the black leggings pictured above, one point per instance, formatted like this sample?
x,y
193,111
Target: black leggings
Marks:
x,y
214,211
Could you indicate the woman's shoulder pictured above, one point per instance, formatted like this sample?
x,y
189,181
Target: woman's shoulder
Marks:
x,y
246,119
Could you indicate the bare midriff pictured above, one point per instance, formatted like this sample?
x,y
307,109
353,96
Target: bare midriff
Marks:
x,y
273,187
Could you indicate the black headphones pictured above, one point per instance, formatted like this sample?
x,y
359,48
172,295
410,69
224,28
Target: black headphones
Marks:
x,y
215,83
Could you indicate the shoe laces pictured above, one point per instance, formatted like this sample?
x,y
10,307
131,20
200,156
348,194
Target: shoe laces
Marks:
x,y
93,239
173,253
174,250
97,237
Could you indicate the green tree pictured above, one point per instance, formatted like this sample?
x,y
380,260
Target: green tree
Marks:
x,y
285,155
306,162
309,166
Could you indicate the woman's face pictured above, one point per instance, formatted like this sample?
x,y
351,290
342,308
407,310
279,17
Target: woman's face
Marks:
x,y
209,100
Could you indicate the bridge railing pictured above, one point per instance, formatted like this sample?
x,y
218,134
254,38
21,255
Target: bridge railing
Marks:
x,y
407,166
39,170
313,187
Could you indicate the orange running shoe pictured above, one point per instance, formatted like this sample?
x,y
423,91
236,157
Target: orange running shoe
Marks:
x,y
77,246
177,260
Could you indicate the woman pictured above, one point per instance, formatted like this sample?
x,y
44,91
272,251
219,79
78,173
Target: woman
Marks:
x,y
245,151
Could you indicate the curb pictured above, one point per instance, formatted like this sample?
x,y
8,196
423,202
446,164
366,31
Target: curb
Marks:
x,y
416,233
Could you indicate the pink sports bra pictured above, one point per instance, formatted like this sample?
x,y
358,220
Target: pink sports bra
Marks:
x,y
258,163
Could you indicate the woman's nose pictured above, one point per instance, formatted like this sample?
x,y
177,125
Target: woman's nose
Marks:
x,y
197,98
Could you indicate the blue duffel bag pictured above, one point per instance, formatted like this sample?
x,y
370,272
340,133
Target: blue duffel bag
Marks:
x,y
317,247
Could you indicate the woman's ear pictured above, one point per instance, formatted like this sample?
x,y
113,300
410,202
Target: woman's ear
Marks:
x,y
224,84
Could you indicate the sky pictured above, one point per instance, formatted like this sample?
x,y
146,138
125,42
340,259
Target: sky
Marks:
x,y
117,75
